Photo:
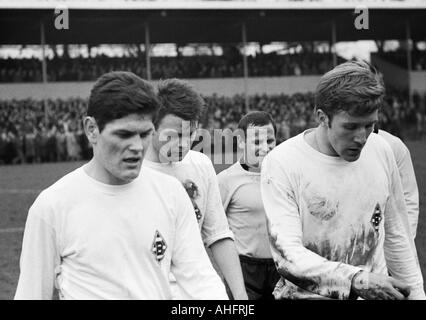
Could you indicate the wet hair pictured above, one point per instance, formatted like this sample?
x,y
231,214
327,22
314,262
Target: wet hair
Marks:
x,y
118,94
177,97
355,87
256,118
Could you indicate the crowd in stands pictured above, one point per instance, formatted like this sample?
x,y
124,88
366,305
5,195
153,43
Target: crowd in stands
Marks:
x,y
37,131
42,131
88,69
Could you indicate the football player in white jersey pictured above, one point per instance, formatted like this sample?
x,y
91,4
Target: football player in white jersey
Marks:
x,y
107,230
333,198
169,153
407,175
240,190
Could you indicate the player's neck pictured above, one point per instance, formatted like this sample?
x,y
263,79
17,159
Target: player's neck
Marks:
x,y
96,171
152,154
248,167
318,140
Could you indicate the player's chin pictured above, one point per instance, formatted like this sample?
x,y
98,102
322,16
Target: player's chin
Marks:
x,y
352,157
260,160
131,173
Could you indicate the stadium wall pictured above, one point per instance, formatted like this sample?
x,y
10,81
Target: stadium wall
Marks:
x,y
222,87
418,81
393,75
397,76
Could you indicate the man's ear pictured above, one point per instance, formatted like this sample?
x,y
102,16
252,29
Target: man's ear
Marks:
x,y
91,129
194,135
322,117
241,141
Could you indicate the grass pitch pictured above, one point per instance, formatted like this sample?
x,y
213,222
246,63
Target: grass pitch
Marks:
x,y
20,185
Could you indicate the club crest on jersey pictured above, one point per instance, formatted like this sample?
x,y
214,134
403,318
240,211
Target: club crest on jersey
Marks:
x,y
159,246
376,218
193,193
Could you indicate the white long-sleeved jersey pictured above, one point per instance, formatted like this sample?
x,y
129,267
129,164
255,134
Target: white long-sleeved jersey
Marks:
x,y
329,218
408,178
98,241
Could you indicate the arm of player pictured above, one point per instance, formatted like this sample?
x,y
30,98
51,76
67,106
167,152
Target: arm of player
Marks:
x,y
225,195
411,191
39,258
223,189
226,256
296,263
399,246
191,265
218,236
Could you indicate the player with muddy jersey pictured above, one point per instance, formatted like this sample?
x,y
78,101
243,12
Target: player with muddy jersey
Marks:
x,y
333,198
169,153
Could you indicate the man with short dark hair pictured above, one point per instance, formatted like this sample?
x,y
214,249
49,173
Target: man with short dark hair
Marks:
x,y
240,190
169,153
104,231
333,199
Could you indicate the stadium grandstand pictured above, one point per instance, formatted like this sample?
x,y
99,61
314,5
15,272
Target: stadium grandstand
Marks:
x,y
222,47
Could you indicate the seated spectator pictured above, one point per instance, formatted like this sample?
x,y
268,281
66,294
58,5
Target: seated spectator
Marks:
x,y
33,130
197,66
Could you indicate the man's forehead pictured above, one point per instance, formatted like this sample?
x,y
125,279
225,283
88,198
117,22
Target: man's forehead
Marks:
x,y
259,129
346,117
131,123
172,121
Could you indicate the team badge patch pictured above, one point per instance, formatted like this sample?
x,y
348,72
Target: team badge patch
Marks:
x,y
376,218
193,193
159,246
197,211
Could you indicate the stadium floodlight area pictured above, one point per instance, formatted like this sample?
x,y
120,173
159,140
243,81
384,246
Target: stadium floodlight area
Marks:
x,y
197,21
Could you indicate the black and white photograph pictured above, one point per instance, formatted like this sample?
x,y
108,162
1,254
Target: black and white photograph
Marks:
x,y
231,151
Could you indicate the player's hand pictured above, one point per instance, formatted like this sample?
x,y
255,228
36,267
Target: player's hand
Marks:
x,y
372,286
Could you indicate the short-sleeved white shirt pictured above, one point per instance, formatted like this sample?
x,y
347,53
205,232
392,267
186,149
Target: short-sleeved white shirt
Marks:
x,y
197,175
99,241
241,198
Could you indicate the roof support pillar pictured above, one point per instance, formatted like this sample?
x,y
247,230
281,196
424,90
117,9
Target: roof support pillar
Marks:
x,y
333,42
409,61
44,69
43,53
245,65
147,52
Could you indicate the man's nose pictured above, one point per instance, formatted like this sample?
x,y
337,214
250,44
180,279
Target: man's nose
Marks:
x,y
185,142
263,148
136,144
361,136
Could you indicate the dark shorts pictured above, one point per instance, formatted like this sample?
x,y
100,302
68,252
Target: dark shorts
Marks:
x,y
260,277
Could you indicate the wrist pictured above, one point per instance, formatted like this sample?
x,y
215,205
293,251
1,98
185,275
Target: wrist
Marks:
x,y
240,295
354,291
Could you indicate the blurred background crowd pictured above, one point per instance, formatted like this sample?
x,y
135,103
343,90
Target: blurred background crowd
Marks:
x,y
51,130
63,68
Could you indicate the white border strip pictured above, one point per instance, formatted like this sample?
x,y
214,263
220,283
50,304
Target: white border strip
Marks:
x,y
210,5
